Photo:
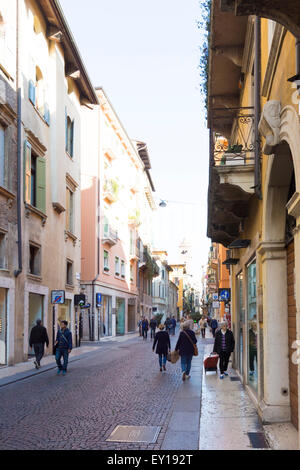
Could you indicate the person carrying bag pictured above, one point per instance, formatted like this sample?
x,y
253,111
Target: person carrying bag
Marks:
x,y
186,346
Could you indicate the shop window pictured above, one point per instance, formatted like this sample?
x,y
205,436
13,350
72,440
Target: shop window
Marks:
x,y
69,279
3,263
34,179
252,327
34,259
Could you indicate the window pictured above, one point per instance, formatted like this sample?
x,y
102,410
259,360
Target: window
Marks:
x,y
34,259
2,156
131,272
123,269
69,210
69,135
69,280
37,95
117,266
106,261
34,179
3,264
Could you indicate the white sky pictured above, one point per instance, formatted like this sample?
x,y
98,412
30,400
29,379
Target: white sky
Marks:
x,y
145,54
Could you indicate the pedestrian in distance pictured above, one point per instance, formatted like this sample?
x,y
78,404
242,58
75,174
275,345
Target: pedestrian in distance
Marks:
x,y
191,322
182,320
168,324
37,340
153,326
173,322
185,346
202,326
163,346
214,326
63,347
224,346
145,327
140,326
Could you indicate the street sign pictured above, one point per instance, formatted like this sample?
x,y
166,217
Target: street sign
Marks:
x,y
216,304
98,299
224,295
85,306
57,296
215,296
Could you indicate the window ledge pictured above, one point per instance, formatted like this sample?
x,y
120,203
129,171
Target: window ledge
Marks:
x,y
6,193
4,270
58,207
70,156
70,286
39,114
34,277
70,236
29,209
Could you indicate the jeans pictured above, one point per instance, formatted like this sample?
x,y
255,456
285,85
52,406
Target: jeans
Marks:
x,y
145,332
162,359
62,353
203,332
186,362
153,332
224,360
213,330
252,356
39,352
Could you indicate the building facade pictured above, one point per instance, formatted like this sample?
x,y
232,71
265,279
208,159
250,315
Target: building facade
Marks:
x,y
254,207
46,170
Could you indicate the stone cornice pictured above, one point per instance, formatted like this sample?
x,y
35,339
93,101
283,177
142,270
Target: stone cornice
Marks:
x,y
277,41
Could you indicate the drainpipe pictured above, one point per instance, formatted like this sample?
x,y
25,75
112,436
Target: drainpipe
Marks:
x,y
257,92
19,160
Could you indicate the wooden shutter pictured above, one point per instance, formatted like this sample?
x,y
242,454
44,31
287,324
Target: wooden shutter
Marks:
x,y
27,172
41,184
72,139
66,124
47,113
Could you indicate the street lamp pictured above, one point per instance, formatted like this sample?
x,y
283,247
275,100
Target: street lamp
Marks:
x,y
164,203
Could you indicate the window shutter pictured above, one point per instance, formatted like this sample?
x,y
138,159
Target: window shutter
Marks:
x,y
27,172
41,184
68,209
31,92
47,114
66,124
72,139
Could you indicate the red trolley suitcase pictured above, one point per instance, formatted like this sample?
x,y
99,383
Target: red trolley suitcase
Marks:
x,y
210,363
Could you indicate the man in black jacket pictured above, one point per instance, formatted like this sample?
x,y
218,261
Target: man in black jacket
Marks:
x,y
224,346
38,338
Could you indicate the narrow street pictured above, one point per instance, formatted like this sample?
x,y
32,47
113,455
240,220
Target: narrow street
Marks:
x,y
119,383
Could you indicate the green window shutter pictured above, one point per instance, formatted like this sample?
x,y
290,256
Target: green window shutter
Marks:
x,y
66,124
27,172
41,184
72,139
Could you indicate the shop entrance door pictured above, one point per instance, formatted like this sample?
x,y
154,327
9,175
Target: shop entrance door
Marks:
x,y
36,312
120,317
3,329
293,368
131,318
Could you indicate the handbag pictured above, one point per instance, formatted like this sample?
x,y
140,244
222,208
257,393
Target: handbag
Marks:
x,y
194,345
173,357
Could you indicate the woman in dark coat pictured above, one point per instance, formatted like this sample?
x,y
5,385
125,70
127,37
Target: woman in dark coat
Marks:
x,y
162,339
224,346
185,346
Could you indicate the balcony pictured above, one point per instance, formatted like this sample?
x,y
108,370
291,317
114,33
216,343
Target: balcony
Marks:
x,y
110,190
110,236
232,173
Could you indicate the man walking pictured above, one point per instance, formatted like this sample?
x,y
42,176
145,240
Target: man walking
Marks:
x,y
145,327
153,326
63,347
224,346
214,326
173,321
38,338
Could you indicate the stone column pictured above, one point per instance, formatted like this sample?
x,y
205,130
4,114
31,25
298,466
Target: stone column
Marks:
x,y
275,403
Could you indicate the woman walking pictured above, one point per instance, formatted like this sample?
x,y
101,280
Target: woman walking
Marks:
x,y
185,345
202,326
162,339
224,346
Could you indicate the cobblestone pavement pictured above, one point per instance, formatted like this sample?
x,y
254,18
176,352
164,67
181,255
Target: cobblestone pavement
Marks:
x,y
119,384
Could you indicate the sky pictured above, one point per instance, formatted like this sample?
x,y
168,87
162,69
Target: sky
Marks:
x,y
145,54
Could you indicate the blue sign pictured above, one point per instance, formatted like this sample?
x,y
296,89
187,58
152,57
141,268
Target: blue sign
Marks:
x,y
98,300
86,306
224,295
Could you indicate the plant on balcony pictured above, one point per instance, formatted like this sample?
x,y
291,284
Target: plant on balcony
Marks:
x,y
204,26
134,217
237,148
106,269
112,186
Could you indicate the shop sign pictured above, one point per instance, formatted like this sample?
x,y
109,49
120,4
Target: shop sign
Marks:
x,y
57,296
98,300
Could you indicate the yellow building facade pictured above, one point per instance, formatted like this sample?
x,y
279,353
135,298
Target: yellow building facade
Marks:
x,y
254,203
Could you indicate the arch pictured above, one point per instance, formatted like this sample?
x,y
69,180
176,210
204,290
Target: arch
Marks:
x,y
278,175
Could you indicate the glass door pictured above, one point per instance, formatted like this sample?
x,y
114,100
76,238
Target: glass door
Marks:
x,y
252,327
120,317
